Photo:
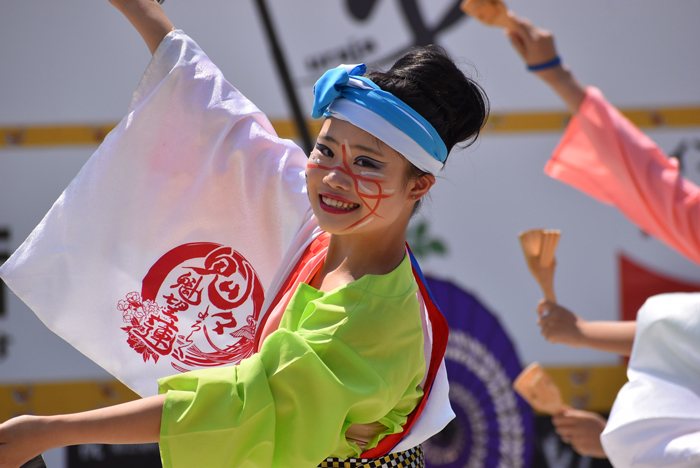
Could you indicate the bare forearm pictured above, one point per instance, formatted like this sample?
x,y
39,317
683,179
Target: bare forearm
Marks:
x,y
565,84
148,18
614,337
135,422
24,437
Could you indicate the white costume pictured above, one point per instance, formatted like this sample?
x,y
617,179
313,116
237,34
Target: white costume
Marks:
x,y
655,421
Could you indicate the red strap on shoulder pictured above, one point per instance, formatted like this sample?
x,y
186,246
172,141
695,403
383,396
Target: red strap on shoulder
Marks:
x,y
441,333
316,245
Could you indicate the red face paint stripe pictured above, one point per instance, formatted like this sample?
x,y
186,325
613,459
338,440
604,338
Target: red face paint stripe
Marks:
x,y
356,180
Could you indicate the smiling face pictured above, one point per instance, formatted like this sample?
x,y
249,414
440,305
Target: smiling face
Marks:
x,y
356,183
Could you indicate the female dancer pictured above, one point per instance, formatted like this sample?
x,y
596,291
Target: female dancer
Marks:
x,y
655,420
348,363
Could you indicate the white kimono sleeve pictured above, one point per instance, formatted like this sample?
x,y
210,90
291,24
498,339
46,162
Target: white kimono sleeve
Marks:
x,y
655,421
156,257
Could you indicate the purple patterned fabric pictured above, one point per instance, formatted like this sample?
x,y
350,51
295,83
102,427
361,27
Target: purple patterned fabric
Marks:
x,y
494,427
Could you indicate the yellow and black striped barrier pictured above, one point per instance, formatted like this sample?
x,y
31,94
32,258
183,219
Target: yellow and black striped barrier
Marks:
x,y
513,122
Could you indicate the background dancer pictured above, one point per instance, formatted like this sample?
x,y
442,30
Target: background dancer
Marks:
x,y
656,417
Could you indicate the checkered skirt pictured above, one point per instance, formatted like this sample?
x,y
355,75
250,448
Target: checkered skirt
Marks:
x,y
411,458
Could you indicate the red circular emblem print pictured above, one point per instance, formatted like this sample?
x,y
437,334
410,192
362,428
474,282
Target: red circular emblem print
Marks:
x,y
199,305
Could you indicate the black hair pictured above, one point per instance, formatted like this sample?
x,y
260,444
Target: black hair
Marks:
x,y
429,81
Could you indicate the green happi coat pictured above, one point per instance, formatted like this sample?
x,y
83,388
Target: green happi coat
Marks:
x,y
351,355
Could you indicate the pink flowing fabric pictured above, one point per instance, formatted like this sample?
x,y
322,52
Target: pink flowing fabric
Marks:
x,y
604,155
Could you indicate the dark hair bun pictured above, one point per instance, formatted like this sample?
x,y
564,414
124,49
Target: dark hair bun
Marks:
x,y
429,81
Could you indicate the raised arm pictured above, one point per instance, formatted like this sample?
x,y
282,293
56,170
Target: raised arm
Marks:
x,y
606,156
135,422
148,18
560,325
537,49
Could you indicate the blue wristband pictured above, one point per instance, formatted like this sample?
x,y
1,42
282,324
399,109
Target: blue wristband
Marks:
x,y
543,66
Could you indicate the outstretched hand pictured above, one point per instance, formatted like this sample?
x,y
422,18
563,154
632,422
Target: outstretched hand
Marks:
x,y
20,441
582,430
134,422
560,325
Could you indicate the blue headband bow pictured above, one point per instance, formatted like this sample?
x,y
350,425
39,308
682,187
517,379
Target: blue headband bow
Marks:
x,y
347,82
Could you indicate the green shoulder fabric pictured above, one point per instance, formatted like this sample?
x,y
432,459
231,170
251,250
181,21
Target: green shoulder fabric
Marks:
x,y
351,355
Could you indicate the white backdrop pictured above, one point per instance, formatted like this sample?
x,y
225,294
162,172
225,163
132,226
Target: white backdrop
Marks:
x,y
78,61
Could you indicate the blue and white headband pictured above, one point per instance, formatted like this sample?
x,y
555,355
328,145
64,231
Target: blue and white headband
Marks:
x,y
345,94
